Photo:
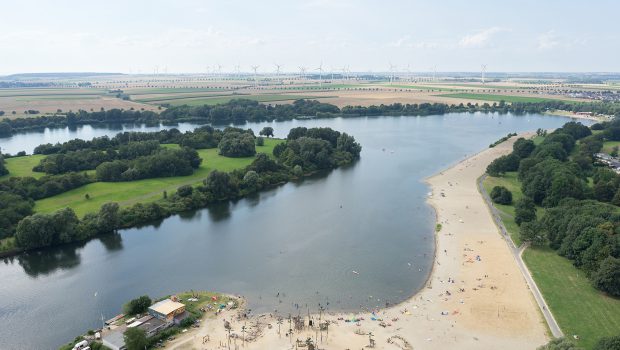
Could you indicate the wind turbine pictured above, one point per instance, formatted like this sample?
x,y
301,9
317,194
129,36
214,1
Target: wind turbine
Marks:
x,y
302,71
255,68
218,70
344,72
320,69
483,70
392,68
408,70
435,73
237,71
278,67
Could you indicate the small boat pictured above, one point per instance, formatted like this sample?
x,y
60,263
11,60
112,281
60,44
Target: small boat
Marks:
x,y
355,272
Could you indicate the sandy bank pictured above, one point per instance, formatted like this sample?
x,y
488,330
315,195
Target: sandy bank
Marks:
x,y
476,297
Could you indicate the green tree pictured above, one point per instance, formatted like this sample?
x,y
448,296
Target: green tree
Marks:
x,y
501,195
604,191
138,305
531,232
237,144
266,131
185,191
525,210
347,143
522,148
607,278
608,343
135,339
260,141
6,129
13,208
108,219
219,183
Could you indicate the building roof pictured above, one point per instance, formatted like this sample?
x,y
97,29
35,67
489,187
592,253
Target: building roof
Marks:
x,y
115,337
166,306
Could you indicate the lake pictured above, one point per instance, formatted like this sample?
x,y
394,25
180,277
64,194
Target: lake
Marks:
x,y
301,241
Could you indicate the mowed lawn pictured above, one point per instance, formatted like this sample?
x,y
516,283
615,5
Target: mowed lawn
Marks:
x,y
22,166
497,98
507,212
608,146
127,193
579,308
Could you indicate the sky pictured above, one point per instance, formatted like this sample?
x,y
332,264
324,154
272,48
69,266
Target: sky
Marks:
x,y
191,36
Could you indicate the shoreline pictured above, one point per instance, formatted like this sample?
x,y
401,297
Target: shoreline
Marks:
x,y
489,307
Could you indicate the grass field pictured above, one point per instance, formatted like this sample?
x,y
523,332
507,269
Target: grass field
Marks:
x,y
608,146
578,307
22,166
497,98
127,193
507,212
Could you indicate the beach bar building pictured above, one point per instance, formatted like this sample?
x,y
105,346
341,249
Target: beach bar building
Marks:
x,y
166,310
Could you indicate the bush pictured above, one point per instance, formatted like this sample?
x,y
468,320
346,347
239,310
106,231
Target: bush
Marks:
x,y
608,343
501,195
260,141
559,344
185,191
188,321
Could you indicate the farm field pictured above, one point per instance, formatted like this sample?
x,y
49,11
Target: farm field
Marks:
x,y
199,101
153,91
497,98
160,98
50,92
422,87
579,308
127,193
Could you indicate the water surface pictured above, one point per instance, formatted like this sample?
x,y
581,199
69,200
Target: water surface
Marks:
x,y
301,240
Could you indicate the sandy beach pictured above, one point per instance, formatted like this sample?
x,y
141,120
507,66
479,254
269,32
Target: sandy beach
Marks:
x,y
476,297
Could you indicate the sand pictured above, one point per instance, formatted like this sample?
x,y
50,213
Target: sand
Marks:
x,y
493,310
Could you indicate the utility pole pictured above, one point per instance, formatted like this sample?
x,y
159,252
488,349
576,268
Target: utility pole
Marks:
x,y
243,332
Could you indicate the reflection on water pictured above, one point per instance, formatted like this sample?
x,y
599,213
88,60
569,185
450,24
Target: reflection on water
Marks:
x,y
301,240
43,262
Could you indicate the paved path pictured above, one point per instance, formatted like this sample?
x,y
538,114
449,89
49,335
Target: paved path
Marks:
x,y
517,252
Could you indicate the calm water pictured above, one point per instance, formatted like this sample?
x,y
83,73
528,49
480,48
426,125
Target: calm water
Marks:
x,y
302,240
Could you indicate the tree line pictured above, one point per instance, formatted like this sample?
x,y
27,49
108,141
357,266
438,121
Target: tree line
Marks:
x,y
304,151
581,221
244,110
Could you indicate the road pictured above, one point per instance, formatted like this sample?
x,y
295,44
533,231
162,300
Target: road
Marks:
x,y
517,254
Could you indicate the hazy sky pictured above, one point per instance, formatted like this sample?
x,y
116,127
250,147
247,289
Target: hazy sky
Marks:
x,y
189,35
